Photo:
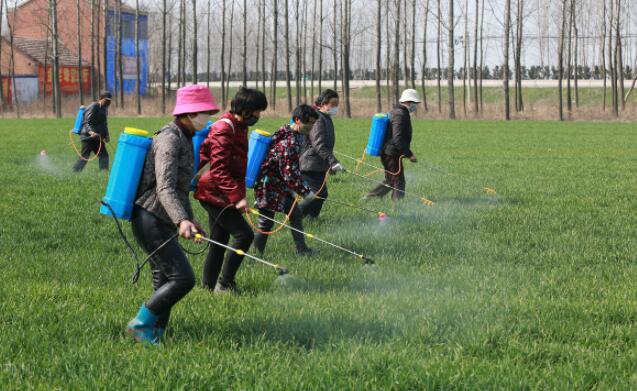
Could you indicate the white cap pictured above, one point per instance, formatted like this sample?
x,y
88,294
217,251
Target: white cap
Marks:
x,y
409,96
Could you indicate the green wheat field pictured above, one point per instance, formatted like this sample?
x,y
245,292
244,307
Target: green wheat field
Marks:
x,y
533,288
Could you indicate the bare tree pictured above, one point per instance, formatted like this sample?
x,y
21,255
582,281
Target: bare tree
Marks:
x,y
561,61
208,41
405,42
334,47
297,63
258,53
505,66
164,13
180,55
1,85
347,39
120,33
438,53
223,53
465,57
379,106
244,43
620,61
320,60
575,68
287,55
11,27
263,24
519,103
569,61
450,69
304,53
397,52
412,68
423,72
275,40
230,51
56,58
611,63
79,50
481,55
603,54
475,59
194,42
388,65
92,33
138,79
312,62
98,52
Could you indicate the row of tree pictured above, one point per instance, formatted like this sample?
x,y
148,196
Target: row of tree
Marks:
x,y
280,41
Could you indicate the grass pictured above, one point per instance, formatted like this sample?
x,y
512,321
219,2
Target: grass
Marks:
x,y
534,288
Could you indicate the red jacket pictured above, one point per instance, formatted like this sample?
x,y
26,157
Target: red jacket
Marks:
x,y
226,149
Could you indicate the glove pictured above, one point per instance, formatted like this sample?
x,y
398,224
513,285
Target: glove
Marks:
x,y
337,168
310,196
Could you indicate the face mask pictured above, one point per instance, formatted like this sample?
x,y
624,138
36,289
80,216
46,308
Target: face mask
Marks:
x,y
332,111
200,121
251,120
413,108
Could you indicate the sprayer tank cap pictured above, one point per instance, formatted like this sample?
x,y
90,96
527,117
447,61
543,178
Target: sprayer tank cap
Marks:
x,y
263,133
136,132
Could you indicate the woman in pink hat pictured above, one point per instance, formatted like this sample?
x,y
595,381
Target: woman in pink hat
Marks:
x,y
162,210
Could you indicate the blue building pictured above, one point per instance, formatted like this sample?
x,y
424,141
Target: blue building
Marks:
x,y
129,56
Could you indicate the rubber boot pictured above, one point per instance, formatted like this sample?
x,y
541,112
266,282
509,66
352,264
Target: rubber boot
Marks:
x,y
142,327
259,242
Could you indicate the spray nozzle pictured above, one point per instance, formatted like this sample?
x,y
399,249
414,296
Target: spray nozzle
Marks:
x,y
427,202
281,270
368,261
490,191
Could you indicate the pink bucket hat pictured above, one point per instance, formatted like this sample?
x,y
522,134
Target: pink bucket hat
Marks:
x,y
194,99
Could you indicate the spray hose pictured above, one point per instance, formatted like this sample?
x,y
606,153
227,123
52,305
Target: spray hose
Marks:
x,y
424,200
79,154
281,270
489,190
288,215
366,260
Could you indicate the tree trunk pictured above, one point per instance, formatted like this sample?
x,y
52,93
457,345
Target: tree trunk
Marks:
x,y
304,55
520,34
603,54
423,72
481,55
347,38
297,63
79,51
561,61
388,65
244,43
231,51
92,33
569,62
334,49
16,100
320,59
169,55
138,78
223,54
475,60
258,53
275,40
397,53
505,66
405,39
450,70
46,52
195,71
208,38
164,13
465,57
287,56
379,105
263,24
438,53
611,63
179,42
412,68
575,68
620,59
120,33
56,58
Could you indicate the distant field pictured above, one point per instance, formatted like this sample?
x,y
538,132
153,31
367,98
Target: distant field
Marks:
x,y
533,288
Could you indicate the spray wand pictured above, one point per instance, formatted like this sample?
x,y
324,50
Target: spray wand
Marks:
x,y
366,260
281,270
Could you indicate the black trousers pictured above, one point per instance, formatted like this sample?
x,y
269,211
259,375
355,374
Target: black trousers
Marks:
x,y
92,146
224,223
172,274
265,225
314,180
392,165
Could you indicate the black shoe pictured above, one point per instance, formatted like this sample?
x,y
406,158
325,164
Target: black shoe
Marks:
x,y
225,288
304,252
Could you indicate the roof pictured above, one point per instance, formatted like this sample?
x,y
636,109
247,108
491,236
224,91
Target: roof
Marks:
x,y
37,49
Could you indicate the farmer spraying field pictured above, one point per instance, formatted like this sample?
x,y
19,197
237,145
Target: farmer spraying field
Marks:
x,y
94,133
281,179
221,190
162,208
317,159
396,146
